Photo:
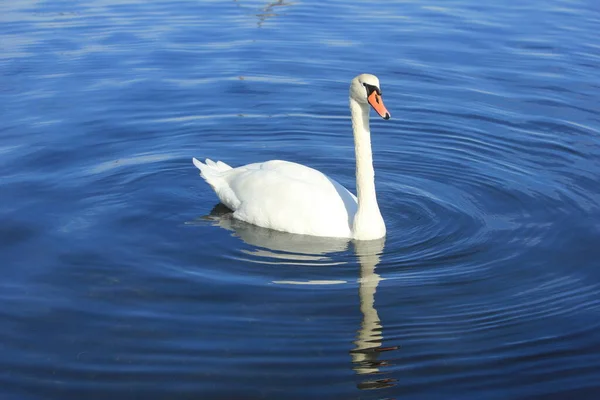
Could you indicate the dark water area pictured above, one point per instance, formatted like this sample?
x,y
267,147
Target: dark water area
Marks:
x,y
120,281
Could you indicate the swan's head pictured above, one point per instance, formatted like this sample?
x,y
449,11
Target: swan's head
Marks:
x,y
365,89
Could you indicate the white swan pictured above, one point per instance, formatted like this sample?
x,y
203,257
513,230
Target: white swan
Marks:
x,y
294,198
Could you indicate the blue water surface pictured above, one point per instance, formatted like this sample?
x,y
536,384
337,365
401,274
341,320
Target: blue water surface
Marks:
x,y
120,280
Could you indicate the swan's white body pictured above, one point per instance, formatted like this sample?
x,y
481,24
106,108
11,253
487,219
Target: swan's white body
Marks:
x,y
294,198
284,196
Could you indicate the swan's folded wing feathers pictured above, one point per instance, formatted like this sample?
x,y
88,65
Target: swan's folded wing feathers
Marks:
x,y
291,197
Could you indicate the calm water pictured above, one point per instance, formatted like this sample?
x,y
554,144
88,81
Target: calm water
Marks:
x,y
120,281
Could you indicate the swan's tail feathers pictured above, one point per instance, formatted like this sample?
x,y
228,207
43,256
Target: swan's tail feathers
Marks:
x,y
222,166
219,165
211,171
208,171
214,173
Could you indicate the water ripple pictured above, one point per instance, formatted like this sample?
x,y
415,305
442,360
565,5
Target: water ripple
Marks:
x,y
120,279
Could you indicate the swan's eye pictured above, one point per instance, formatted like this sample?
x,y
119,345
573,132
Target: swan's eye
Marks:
x,y
371,89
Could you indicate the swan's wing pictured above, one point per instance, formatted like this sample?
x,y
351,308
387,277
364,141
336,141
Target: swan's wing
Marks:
x,y
289,197
283,174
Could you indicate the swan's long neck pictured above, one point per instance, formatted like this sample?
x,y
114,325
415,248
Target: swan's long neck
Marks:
x,y
368,223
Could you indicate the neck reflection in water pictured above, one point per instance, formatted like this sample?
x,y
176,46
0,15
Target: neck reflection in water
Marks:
x,y
291,249
365,356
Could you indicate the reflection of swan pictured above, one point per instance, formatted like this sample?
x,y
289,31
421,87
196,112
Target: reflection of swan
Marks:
x,y
369,338
369,335
291,247
293,198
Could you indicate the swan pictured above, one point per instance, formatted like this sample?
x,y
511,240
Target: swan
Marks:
x,y
290,197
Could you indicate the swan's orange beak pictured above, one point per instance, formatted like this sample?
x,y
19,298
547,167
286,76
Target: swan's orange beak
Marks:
x,y
377,103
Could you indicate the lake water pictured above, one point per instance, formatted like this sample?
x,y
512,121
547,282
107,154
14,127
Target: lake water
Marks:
x,y
120,281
